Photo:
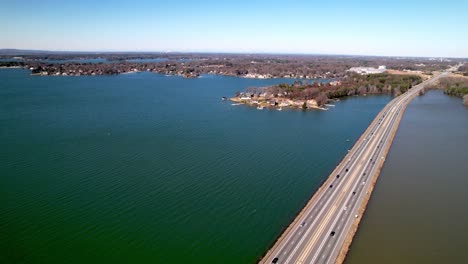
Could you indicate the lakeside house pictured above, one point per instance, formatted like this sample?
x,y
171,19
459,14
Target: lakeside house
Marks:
x,y
257,76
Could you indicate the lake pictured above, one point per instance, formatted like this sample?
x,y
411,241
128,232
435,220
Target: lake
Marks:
x,y
145,168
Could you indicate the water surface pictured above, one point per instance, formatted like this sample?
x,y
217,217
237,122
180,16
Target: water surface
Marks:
x,y
143,168
418,212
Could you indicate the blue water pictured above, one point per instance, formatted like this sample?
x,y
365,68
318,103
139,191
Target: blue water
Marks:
x,y
143,168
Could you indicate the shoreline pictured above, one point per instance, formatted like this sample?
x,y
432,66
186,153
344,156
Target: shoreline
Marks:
x,y
73,74
12,67
277,103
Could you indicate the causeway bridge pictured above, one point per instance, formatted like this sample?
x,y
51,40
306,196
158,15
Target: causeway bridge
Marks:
x,y
323,230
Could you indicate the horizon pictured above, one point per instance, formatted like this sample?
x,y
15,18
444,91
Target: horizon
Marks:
x,y
97,52
366,28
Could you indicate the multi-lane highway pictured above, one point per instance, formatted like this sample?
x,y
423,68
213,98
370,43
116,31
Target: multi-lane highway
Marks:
x,y
319,232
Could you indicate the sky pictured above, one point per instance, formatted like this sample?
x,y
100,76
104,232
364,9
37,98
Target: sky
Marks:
x,y
384,28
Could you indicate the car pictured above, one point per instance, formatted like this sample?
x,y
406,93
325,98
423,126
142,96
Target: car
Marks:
x,y
356,216
331,186
347,170
332,233
302,224
275,260
354,193
338,176
364,174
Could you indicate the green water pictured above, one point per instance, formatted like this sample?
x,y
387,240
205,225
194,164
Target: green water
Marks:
x,y
143,168
419,212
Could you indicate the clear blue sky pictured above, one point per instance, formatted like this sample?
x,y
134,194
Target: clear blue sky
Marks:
x,y
402,28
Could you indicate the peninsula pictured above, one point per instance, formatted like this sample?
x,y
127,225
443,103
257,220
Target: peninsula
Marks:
x,y
316,95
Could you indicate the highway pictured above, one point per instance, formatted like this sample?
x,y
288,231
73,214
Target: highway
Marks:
x,y
318,233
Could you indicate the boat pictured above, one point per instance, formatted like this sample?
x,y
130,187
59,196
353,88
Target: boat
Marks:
x,y
237,104
329,105
260,107
279,109
224,98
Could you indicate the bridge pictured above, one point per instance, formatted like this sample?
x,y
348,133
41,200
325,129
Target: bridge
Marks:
x,y
323,230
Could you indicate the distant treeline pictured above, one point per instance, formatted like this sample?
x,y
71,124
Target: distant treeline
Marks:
x,y
243,65
12,64
464,69
382,83
457,91
354,84
457,86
